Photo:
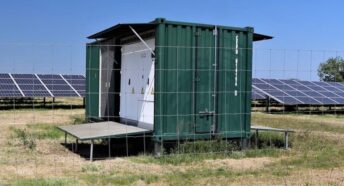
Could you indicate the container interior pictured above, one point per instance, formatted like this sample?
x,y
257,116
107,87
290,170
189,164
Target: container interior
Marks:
x,y
136,79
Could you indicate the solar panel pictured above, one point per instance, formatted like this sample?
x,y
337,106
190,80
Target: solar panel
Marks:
x,y
30,85
311,97
339,86
77,82
265,86
332,87
292,92
57,86
8,87
328,97
257,95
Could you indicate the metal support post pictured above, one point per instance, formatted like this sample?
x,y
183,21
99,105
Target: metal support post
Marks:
x,y
256,139
76,145
65,138
91,150
109,143
286,139
267,104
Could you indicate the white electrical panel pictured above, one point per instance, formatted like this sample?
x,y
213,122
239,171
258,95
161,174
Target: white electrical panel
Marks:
x,y
137,83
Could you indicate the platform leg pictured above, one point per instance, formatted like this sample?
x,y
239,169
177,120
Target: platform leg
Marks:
x,y
256,138
91,150
65,138
109,144
286,140
76,145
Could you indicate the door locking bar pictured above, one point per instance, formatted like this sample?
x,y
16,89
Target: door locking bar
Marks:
x,y
206,112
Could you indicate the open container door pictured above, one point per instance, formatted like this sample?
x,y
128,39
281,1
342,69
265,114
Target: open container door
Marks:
x,y
92,81
107,88
137,84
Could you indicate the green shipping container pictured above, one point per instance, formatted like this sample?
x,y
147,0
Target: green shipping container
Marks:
x,y
202,78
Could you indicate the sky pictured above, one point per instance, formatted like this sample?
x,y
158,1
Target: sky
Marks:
x,y
49,36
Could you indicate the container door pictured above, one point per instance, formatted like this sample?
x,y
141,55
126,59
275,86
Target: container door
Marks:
x,y
137,84
92,82
204,81
146,98
107,90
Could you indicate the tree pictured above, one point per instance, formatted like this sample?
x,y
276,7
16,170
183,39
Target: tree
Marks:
x,y
332,70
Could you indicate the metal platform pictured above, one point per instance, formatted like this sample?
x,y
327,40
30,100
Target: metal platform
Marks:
x,y
100,130
263,128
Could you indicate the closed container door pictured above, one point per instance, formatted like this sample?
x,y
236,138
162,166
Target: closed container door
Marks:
x,y
204,81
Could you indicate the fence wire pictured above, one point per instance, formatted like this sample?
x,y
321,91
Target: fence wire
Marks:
x,y
197,106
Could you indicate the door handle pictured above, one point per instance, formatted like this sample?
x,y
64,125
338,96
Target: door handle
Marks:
x,y
206,112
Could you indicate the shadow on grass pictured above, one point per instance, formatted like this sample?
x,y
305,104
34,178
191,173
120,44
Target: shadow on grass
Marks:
x,y
119,147
142,149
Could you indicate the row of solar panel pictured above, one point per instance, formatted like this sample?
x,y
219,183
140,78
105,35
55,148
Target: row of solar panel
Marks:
x,y
41,85
289,92
296,92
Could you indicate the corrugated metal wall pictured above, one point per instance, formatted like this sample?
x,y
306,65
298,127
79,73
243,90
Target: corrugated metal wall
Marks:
x,y
185,72
235,72
174,76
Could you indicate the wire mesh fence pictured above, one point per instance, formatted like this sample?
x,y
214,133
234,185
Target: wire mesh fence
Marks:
x,y
196,106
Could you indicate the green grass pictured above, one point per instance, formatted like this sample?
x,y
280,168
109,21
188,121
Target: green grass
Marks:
x,y
78,119
42,182
39,131
176,178
301,122
204,146
90,168
45,131
193,175
192,158
105,179
310,150
197,151
29,135
25,138
316,152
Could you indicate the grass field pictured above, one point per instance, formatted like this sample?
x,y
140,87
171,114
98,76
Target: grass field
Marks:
x,y
32,154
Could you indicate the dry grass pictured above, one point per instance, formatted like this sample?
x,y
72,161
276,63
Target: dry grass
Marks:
x,y
53,116
240,164
52,164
